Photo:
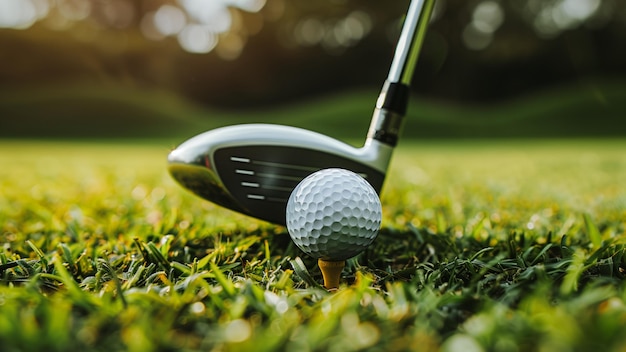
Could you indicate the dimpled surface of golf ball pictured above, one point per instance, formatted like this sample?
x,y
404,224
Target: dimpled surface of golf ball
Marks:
x,y
333,214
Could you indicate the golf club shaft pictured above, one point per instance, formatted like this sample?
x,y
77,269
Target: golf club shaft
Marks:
x,y
410,41
394,97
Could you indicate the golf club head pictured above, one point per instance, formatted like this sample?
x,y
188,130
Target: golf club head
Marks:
x,y
253,168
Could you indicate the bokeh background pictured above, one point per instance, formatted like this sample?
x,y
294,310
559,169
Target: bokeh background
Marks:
x,y
104,69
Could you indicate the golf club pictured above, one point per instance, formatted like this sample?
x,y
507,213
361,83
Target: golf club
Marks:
x,y
253,168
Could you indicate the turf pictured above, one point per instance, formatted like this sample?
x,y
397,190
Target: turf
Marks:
x,y
485,246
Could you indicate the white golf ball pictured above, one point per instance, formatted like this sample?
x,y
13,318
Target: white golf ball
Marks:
x,y
333,214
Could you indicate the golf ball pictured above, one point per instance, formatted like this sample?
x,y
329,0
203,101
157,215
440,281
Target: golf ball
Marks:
x,y
333,214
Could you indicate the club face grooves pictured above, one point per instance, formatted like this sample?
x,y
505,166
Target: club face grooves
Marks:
x,y
259,179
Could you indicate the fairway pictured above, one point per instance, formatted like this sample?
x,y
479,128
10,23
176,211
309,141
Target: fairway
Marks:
x,y
485,246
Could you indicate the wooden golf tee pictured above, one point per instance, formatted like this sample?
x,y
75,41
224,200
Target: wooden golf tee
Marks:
x,y
331,271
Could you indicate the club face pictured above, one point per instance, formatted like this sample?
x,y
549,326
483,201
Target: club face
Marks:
x,y
254,174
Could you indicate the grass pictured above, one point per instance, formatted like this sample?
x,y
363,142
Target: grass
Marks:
x,y
485,246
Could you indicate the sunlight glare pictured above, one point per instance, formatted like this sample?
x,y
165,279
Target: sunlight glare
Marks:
x,y
337,33
550,19
580,9
309,31
475,39
214,15
488,16
17,14
74,10
148,27
230,46
197,39
248,5
169,20
42,7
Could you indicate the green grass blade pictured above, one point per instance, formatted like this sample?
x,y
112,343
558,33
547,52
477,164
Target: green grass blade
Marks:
x,y
592,231
573,273
300,269
40,254
226,284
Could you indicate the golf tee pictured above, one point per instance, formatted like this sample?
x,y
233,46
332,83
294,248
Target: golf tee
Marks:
x,y
331,271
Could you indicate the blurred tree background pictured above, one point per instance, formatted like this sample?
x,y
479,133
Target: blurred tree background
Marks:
x,y
256,54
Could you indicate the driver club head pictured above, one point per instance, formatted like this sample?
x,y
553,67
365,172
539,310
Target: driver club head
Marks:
x,y
253,168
